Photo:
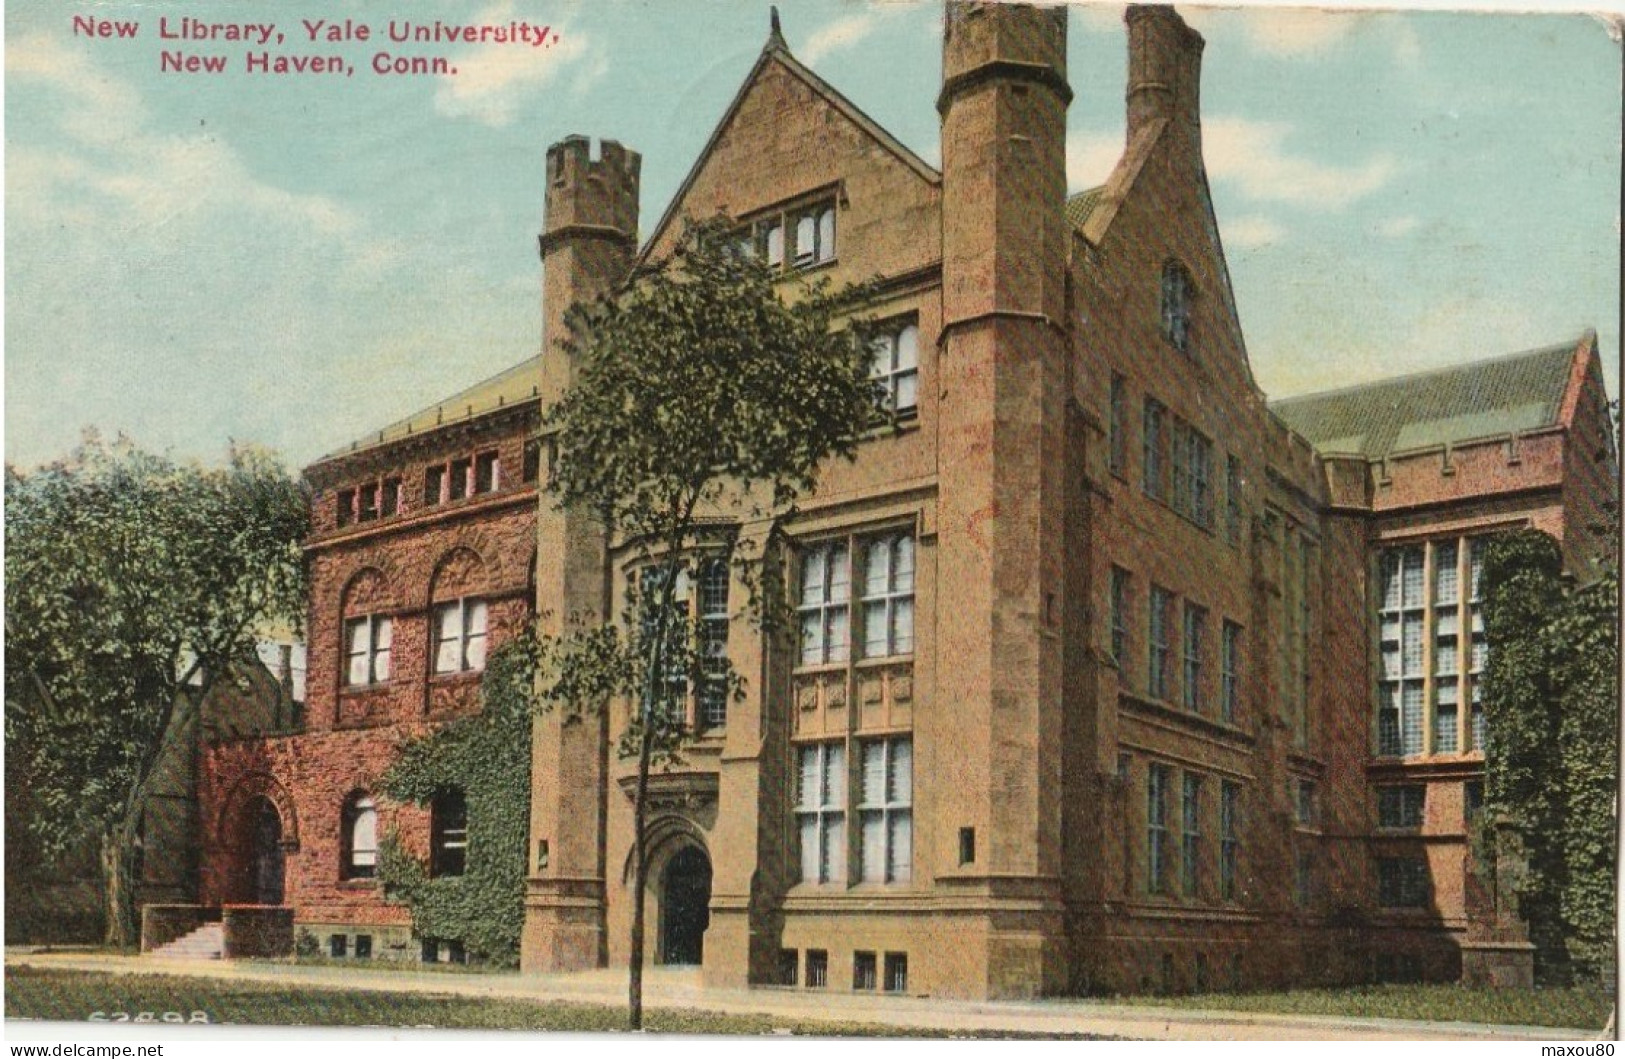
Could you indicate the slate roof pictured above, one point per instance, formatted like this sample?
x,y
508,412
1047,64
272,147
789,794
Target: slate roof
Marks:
x,y
512,386
1081,205
1484,399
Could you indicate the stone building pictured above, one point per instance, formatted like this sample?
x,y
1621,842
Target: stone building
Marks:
x,y
1110,675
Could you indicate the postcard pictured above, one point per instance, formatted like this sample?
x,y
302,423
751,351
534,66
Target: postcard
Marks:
x,y
846,518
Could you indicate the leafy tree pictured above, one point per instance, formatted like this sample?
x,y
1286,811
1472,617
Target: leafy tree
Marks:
x,y
700,389
132,583
1551,767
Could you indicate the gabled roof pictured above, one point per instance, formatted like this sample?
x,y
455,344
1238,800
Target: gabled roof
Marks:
x,y
1516,393
1081,205
515,385
777,51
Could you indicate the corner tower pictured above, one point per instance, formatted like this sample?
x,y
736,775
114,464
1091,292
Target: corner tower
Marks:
x,y
1001,462
590,232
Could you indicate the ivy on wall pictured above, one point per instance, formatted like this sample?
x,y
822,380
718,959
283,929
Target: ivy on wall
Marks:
x,y
1551,773
487,758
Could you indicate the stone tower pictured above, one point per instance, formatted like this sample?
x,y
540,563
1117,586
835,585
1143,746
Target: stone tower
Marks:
x,y
1001,466
589,239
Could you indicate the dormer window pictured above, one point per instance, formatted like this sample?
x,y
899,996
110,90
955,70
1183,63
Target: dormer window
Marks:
x,y
1176,306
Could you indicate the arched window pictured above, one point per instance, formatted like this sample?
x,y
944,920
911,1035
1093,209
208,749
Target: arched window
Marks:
x,y
360,837
1176,306
448,827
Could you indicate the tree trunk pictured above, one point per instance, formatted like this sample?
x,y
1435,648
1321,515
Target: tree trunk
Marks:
x,y
118,888
640,880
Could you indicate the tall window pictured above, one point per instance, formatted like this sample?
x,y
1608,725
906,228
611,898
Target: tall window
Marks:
x,y
1159,651
1193,474
360,826
1152,474
888,596
367,648
1229,837
1230,671
1304,802
886,567
1158,780
713,622
1195,645
825,591
1432,648
1117,425
459,636
1119,619
448,833
821,813
886,811
1176,308
1232,497
1190,860
896,366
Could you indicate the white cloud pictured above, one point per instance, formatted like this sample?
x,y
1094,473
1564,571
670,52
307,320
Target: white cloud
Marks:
x,y
153,179
848,31
1295,34
1252,232
1252,155
493,81
1306,35
1090,159
1396,227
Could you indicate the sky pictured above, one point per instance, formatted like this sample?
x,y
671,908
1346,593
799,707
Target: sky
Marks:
x,y
194,259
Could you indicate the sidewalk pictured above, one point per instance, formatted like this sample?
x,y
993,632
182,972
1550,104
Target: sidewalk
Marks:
x,y
681,989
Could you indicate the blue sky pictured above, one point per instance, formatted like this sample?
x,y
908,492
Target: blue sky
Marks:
x,y
294,261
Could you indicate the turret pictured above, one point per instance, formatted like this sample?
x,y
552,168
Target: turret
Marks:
x,y
590,234
589,237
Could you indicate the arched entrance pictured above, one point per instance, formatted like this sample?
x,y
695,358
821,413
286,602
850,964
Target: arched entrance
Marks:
x,y
685,906
265,851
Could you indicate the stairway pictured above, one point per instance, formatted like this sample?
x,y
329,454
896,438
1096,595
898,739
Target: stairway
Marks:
x,y
205,943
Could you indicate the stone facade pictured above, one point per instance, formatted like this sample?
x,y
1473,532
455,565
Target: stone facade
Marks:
x,y
1091,691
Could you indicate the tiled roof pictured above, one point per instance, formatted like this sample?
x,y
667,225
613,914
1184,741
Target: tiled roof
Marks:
x,y
1081,205
513,386
1484,399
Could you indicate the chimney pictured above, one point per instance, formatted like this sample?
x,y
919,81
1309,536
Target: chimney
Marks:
x,y
1164,69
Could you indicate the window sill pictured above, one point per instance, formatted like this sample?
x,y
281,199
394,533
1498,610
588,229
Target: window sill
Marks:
x,y
362,690
463,676
881,661
903,424
358,885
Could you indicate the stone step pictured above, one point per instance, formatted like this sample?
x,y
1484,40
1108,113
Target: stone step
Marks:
x,y
207,942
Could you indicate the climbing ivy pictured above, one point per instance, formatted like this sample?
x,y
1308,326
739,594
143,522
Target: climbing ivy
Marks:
x,y
1552,708
487,758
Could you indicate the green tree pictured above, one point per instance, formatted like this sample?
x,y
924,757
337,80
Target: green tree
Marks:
x,y
1551,766
132,583
709,386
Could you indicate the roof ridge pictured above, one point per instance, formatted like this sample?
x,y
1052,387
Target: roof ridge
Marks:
x,y
402,426
1412,376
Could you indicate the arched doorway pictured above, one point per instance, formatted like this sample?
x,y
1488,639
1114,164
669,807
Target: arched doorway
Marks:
x,y
265,851
685,906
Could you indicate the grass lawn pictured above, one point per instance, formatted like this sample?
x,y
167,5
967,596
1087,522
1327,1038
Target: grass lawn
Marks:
x,y
71,996
1431,1003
